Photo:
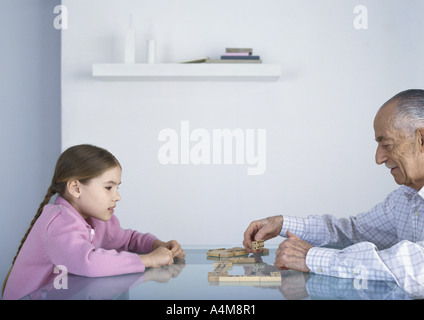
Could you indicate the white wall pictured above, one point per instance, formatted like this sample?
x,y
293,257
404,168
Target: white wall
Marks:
x,y
30,115
318,117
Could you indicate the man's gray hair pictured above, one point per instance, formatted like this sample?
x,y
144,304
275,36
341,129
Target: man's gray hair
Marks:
x,y
409,111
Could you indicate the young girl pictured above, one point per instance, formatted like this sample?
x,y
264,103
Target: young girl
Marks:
x,y
80,231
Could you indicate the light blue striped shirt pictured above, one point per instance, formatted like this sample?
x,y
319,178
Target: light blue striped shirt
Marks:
x,y
385,243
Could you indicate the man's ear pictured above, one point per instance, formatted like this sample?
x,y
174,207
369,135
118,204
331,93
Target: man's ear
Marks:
x,y
74,188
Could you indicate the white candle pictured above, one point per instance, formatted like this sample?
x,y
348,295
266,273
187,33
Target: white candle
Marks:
x,y
151,51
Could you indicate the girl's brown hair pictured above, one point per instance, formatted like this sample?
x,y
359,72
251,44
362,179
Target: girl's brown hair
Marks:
x,y
81,162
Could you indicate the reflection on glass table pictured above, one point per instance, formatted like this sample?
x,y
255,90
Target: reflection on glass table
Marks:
x,y
188,280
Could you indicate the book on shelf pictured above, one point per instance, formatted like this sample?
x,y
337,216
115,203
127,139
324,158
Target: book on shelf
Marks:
x,y
239,54
240,57
239,50
232,61
231,55
195,60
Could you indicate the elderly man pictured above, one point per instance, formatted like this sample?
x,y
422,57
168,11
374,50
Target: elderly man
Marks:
x,y
385,243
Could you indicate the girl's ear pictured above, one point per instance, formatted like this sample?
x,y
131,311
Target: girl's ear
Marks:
x,y
74,189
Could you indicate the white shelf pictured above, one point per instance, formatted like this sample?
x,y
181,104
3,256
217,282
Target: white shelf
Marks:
x,y
188,71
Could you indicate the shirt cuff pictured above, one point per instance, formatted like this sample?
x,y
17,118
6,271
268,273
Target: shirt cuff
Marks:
x,y
295,225
320,260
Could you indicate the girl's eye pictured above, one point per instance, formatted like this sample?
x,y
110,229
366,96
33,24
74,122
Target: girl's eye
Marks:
x,y
109,188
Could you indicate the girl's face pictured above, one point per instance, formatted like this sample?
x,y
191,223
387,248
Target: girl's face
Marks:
x,y
99,196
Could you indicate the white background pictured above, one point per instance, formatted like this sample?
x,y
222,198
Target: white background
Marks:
x,y
318,116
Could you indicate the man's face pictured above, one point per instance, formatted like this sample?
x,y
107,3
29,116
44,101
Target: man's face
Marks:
x,y
398,150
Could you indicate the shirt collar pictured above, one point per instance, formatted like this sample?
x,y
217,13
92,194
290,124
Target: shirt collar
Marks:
x,y
61,201
410,193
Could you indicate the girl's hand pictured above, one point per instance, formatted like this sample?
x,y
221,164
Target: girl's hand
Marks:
x,y
173,246
157,258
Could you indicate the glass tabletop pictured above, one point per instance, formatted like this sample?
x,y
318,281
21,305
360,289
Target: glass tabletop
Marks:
x,y
188,280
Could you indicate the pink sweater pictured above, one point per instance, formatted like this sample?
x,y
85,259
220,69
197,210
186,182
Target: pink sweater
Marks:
x,y
61,236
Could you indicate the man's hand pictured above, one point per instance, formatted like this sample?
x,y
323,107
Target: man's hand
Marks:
x,y
291,253
264,229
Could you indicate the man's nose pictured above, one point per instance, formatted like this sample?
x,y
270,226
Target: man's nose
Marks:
x,y
380,155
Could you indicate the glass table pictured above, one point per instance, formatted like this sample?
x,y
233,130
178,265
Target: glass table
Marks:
x,y
188,280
